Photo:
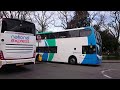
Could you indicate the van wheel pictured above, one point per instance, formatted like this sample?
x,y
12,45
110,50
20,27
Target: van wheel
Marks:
x,y
72,60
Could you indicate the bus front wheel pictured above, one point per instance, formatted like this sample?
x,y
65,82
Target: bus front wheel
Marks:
x,y
72,60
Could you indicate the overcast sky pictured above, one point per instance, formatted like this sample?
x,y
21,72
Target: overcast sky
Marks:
x,y
58,22
51,26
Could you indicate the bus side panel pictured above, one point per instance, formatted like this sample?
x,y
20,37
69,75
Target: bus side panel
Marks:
x,y
91,59
50,42
66,48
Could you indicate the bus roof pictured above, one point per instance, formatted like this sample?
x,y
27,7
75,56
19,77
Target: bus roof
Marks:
x,y
44,32
64,30
17,20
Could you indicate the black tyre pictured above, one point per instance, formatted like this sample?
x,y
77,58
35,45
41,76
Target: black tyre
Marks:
x,y
72,60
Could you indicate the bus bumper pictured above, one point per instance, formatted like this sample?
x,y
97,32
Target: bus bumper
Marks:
x,y
21,61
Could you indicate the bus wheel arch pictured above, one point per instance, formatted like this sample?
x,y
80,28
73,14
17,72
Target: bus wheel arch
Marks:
x,y
72,59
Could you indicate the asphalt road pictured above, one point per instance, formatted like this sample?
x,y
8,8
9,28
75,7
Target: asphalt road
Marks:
x,y
46,70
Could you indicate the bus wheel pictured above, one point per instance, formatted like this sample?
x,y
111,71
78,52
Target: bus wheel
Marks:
x,y
72,60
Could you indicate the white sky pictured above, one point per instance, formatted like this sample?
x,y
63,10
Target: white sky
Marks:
x,y
58,22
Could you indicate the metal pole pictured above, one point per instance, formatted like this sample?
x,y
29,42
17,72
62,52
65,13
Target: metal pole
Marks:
x,y
38,46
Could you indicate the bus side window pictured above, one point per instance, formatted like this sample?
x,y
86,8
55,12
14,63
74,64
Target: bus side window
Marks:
x,y
84,33
53,49
88,49
62,34
4,26
44,36
46,49
74,33
56,35
52,36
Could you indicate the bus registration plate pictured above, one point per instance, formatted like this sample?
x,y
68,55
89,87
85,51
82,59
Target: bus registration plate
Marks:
x,y
19,64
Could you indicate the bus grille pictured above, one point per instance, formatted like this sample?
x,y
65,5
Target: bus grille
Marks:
x,y
18,48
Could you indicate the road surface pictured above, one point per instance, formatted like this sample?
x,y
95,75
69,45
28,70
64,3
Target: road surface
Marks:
x,y
46,70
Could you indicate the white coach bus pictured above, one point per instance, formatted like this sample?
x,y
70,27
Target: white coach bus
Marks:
x,y
17,42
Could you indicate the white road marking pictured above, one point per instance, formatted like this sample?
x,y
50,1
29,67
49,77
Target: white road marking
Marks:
x,y
103,72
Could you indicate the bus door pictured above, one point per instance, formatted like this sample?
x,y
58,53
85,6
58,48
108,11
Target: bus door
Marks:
x,y
89,53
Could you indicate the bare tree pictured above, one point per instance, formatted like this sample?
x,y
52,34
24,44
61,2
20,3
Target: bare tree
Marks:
x,y
43,19
15,14
64,17
79,19
30,14
92,16
111,25
97,19
100,22
115,24
5,14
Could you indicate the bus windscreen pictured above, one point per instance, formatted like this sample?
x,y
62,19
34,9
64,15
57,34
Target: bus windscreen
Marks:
x,y
17,26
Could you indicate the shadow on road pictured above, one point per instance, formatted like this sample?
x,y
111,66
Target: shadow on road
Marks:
x,y
47,62
13,69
